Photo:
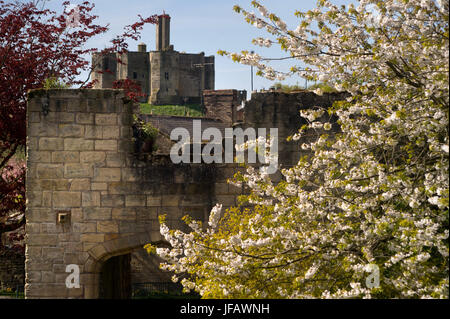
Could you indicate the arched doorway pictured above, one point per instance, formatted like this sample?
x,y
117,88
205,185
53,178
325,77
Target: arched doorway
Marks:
x,y
115,278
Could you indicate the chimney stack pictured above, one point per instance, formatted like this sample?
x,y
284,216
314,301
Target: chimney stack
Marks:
x,y
142,47
163,33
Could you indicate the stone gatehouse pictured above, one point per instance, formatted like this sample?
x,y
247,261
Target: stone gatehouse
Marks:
x,y
91,202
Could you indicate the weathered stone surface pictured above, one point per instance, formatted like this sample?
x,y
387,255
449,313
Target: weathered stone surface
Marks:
x,y
43,129
135,200
85,118
51,144
99,186
65,157
105,119
90,199
46,171
96,213
85,227
42,240
154,201
107,227
40,215
112,200
106,145
111,132
92,157
123,214
66,199
170,200
80,184
114,159
40,157
77,170
71,130
93,131
106,174
92,238
78,144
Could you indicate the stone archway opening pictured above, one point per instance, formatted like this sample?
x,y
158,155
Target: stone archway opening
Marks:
x,y
115,278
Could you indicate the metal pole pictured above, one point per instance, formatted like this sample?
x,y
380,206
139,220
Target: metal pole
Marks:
x,y
251,70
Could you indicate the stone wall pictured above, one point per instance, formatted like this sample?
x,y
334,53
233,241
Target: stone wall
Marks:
x,y
81,165
224,104
281,110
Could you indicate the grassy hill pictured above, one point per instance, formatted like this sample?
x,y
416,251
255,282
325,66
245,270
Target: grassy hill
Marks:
x,y
193,110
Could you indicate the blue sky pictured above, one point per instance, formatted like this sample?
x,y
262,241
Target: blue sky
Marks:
x,y
201,25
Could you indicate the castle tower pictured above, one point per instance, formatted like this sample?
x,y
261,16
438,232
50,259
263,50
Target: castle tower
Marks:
x,y
163,33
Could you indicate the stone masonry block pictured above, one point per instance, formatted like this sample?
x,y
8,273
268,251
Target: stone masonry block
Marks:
x,y
92,131
40,215
34,198
90,199
123,214
77,170
66,157
47,198
106,145
47,171
42,240
92,238
51,144
80,184
154,201
42,130
34,117
99,186
49,228
114,159
111,132
130,175
170,200
40,157
76,215
92,157
78,144
135,200
107,227
85,227
106,174
71,130
112,200
98,251
66,199
48,277
52,253
33,227
60,117
96,213
105,119
85,118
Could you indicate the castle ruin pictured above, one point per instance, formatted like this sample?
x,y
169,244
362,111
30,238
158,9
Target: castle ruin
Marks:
x,y
166,76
